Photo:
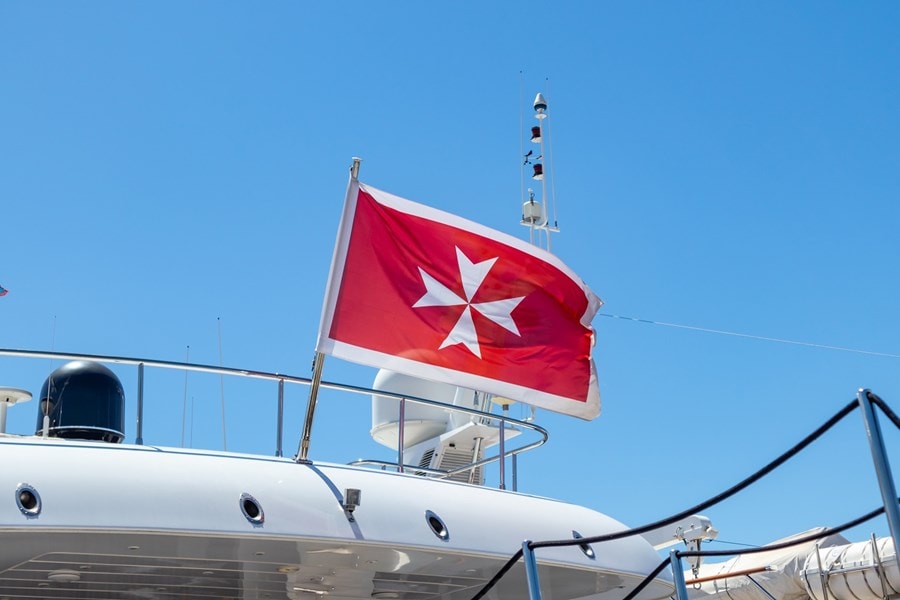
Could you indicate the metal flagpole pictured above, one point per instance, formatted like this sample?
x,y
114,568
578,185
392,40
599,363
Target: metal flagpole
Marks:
x,y
303,452
318,363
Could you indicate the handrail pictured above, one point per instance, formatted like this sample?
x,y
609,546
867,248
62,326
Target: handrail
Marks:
x,y
450,408
164,364
281,378
484,461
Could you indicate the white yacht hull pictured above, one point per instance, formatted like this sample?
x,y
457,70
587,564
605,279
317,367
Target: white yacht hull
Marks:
x,y
126,521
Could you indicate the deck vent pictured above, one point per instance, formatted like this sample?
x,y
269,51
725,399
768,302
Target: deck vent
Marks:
x,y
28,500
437,525
252,509
427,457
586,549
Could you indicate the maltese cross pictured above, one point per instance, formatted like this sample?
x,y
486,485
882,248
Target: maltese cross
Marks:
x,y
472,276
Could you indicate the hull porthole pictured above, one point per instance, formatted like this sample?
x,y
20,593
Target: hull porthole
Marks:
x,y
252,509
28,500
437,525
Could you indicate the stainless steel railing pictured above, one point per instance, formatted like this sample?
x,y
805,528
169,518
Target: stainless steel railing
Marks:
x,y
141,363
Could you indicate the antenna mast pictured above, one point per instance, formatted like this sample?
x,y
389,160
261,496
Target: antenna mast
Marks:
x,y
534,215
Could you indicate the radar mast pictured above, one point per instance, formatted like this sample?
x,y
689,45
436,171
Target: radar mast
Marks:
x,y
536,207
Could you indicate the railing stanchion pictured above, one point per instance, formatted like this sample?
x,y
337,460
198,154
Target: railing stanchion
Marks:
x,y
502,454
280,420
531,572
400,435
681,592
515,470
879,566
139,436
882,466
823,575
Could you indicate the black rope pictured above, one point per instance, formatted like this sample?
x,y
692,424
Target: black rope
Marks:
x,y
640,587
885,409
499,575
678,516
715,499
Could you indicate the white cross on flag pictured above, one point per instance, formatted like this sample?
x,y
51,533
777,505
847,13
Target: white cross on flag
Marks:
x,y
429,294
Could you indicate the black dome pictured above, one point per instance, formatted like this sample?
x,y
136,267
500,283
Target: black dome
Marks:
x,y
85,401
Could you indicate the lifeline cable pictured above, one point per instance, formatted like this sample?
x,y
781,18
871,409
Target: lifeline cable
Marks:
x,y
738,487
650,577
885,409
719,497
685,513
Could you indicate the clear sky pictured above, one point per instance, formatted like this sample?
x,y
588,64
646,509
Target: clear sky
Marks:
x,y
171,176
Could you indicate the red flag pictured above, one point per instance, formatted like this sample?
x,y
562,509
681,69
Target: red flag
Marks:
x,y
426,293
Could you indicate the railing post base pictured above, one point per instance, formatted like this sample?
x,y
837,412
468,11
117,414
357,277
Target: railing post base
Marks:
x,y
531,573
681,592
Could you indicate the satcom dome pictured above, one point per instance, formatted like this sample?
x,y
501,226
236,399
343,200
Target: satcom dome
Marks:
x,y
84,400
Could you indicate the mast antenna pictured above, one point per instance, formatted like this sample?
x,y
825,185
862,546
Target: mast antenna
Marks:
x,y
534,215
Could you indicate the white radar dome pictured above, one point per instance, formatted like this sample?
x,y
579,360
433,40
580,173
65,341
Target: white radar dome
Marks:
x,y
423,422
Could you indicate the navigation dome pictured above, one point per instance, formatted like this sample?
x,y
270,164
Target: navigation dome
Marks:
x,y
84,401
422,422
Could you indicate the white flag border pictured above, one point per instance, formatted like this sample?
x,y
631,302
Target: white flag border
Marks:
x,y
587,408
338,260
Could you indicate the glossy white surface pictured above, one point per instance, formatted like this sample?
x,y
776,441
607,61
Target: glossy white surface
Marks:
x,y
181,507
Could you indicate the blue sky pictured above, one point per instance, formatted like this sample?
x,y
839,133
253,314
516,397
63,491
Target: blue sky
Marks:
x,y
173,170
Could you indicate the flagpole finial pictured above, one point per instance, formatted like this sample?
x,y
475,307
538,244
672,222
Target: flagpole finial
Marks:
x,y
354,168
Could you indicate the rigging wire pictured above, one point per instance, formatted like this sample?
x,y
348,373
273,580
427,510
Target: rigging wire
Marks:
x,y
52,340
750,336
221,384
522,154
521,135
718,541
187,359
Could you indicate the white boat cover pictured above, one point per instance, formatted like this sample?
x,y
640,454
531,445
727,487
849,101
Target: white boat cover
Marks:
x,y
860,571
863,570
783,579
